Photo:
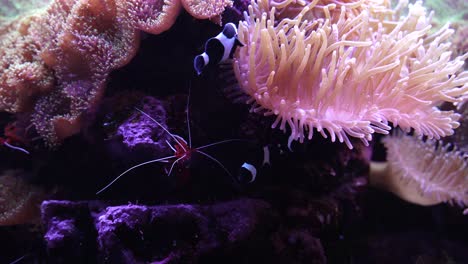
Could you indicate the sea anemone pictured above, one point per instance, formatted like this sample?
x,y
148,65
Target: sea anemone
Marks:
x,y
423,172
348,68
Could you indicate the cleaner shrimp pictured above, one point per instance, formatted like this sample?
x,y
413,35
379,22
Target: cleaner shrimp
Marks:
x,y
182,149
10,137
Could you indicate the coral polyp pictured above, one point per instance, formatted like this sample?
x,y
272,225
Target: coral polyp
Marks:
x,y
348,69
426,172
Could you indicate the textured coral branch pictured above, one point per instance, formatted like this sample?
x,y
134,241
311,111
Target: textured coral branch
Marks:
x,y
348,68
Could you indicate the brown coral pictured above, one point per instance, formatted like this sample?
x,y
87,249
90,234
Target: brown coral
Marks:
x,y
22,73
19,201
203,9
153,16
69,49
56,61
90,39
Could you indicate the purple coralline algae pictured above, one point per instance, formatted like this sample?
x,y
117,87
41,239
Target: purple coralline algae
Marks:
x,y
70,234
140,130
158,234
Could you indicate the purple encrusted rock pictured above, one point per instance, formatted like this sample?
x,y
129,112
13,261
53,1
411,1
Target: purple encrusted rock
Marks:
x,y
161,234
176,233
141,130
158,234
70,235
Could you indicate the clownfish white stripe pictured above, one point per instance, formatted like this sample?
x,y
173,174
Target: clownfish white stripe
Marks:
x,y
251,169
205,57
227,43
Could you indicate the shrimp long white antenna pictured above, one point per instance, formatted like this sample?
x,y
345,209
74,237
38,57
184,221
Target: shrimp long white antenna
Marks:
x,y
16,148
132,168
188,115
215,160
181,139
219,142
160,125
173,164
170,146
19,259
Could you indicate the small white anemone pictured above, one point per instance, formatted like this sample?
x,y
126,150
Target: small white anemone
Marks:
x,y
422,172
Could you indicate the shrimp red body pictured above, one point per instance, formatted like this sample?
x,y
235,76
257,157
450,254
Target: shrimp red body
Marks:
x,y
12,136
182,151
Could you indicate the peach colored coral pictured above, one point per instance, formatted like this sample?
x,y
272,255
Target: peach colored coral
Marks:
x,y
428,171
55,62
19,201
203,9
152,16
348,68
22,72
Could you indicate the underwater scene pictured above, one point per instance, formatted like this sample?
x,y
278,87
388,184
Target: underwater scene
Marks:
x,y
234,131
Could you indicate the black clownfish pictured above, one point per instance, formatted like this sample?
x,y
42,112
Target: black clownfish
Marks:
x,y
248,170
218,49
